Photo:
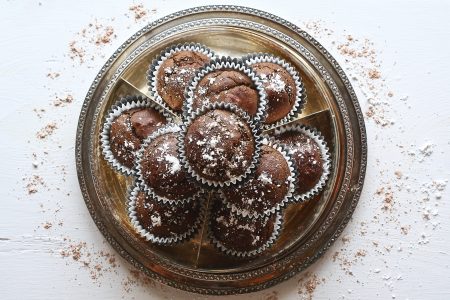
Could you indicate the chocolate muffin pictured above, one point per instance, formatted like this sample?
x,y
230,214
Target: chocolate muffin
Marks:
x,y
174,75
280,89
237,235
128,131
165,220
266,189
219,145
307,156
162,171
229,86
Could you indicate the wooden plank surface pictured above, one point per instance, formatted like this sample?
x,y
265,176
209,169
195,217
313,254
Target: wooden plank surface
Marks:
x,y
397,57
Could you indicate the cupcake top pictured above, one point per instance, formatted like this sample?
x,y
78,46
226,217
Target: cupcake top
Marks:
x,y
165,221
240,236
229,86
161,169
266,189
307,156
219,145
129,129
280,89
174,74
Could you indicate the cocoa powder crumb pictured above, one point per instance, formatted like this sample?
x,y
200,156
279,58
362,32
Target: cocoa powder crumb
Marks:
x,y
33,183
49,129
361,253
106,36
96,262
139,11
39,112
47,225
387,196
76,52
53,75
374,74
404,230
136,278
62,101
308,284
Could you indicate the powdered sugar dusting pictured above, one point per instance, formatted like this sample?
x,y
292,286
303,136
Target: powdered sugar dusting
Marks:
x,y
175,165
276,83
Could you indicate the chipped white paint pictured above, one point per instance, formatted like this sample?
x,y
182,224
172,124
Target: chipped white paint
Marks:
x,y
397,244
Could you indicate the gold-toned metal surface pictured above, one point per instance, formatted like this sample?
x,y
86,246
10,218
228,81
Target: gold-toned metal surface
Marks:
x,y
308,229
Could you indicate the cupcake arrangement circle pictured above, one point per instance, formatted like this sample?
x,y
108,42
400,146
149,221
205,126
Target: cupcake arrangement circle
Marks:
x,y
217,128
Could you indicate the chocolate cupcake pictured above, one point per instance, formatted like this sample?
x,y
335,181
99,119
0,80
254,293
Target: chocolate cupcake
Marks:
x,y
219,145
172,71
229,86
269,188
242,237
280,90
163,223
160,170
309,152
227,80
282,84
128,123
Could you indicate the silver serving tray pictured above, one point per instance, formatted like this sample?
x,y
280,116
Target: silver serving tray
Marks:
x,y
309,229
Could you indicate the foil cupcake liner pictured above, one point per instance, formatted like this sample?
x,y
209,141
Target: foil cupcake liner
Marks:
x,y
244,254
144,233
121,106
300,98
164,55
288,198
244,116
225,63
325,154
169,128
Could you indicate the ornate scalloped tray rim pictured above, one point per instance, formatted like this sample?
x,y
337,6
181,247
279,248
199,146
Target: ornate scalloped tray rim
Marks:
x,y
356,189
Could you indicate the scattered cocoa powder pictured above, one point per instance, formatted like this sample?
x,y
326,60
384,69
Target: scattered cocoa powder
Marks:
x,y
398,174
139,11
96,34
387,195
136,278
33,183
47,225
39,112
62,101
53,75
361,253
76,52
308,284
49,129
96,262
374,74
106,36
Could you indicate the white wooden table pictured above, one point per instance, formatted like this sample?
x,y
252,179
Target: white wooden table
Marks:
x,y
398,242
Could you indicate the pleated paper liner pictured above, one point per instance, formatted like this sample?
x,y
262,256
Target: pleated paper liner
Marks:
x,y
151,191
256,208
238,236
152,75
164,223
300,95
316,136
123,105
225,64
241,115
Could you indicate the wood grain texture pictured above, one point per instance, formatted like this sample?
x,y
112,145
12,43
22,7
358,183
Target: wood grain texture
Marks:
x,y
396,245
